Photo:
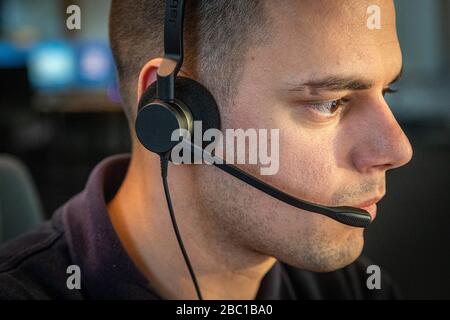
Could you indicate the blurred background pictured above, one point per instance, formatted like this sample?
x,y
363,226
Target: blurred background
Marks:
x,y
60,115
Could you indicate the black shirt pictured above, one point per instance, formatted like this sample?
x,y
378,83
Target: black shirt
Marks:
x,y
35,266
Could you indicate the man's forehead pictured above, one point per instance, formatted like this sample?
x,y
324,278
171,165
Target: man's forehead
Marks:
x,y
316,43
326,8
336,17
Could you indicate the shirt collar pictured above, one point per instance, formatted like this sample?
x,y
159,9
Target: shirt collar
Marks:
x,y
107,270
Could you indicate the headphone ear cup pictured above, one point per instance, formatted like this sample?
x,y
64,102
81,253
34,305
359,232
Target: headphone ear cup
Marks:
x,y
157,121
188,93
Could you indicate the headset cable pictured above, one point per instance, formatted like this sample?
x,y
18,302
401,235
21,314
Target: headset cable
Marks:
x,y
164,170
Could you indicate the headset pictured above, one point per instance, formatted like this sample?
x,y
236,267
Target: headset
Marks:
x,y
175,102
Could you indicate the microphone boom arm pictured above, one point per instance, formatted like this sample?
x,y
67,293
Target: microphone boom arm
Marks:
x,y
350,216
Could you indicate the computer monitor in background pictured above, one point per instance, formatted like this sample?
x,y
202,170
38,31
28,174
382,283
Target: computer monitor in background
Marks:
x,y
76,76
67,71
61,65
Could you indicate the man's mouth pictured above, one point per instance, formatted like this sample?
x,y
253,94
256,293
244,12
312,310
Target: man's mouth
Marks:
x,y
370,206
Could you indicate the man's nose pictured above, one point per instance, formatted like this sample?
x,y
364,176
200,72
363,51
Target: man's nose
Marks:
x,y
384,146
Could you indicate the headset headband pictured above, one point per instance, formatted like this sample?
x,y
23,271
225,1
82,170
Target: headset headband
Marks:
x,y
173,50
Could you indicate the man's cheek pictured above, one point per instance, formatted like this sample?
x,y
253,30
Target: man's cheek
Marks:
x,y
307,164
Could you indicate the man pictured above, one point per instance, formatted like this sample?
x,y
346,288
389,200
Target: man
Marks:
x,y
311,68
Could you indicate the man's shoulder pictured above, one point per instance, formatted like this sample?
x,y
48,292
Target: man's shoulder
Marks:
x,y
350,282
29,246
34,265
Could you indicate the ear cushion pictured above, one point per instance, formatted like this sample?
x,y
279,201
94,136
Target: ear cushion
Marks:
x,y
196,97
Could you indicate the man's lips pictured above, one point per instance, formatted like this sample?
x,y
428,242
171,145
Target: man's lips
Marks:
x,y
370,206
372,210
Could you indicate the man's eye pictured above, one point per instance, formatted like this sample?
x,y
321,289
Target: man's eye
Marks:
x,y
389,90
328,107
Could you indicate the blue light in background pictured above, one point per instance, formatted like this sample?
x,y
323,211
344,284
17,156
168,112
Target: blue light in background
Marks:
x,y
52,65
95,66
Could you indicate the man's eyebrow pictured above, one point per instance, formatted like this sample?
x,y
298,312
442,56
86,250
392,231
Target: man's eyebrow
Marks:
x,y
336,83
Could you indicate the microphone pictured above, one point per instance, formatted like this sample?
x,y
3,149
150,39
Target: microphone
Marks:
x,y
350,216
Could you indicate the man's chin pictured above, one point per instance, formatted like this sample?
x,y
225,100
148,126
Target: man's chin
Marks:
x,y
323,256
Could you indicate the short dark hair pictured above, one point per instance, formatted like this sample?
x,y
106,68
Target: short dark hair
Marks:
x,y
218,35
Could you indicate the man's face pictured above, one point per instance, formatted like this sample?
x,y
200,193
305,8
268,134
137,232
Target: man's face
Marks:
x,y
330,153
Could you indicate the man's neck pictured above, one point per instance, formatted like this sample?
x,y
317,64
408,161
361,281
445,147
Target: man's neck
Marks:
x,y
139,214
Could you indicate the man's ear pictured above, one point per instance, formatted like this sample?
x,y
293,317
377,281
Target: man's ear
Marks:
x,y
148,75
